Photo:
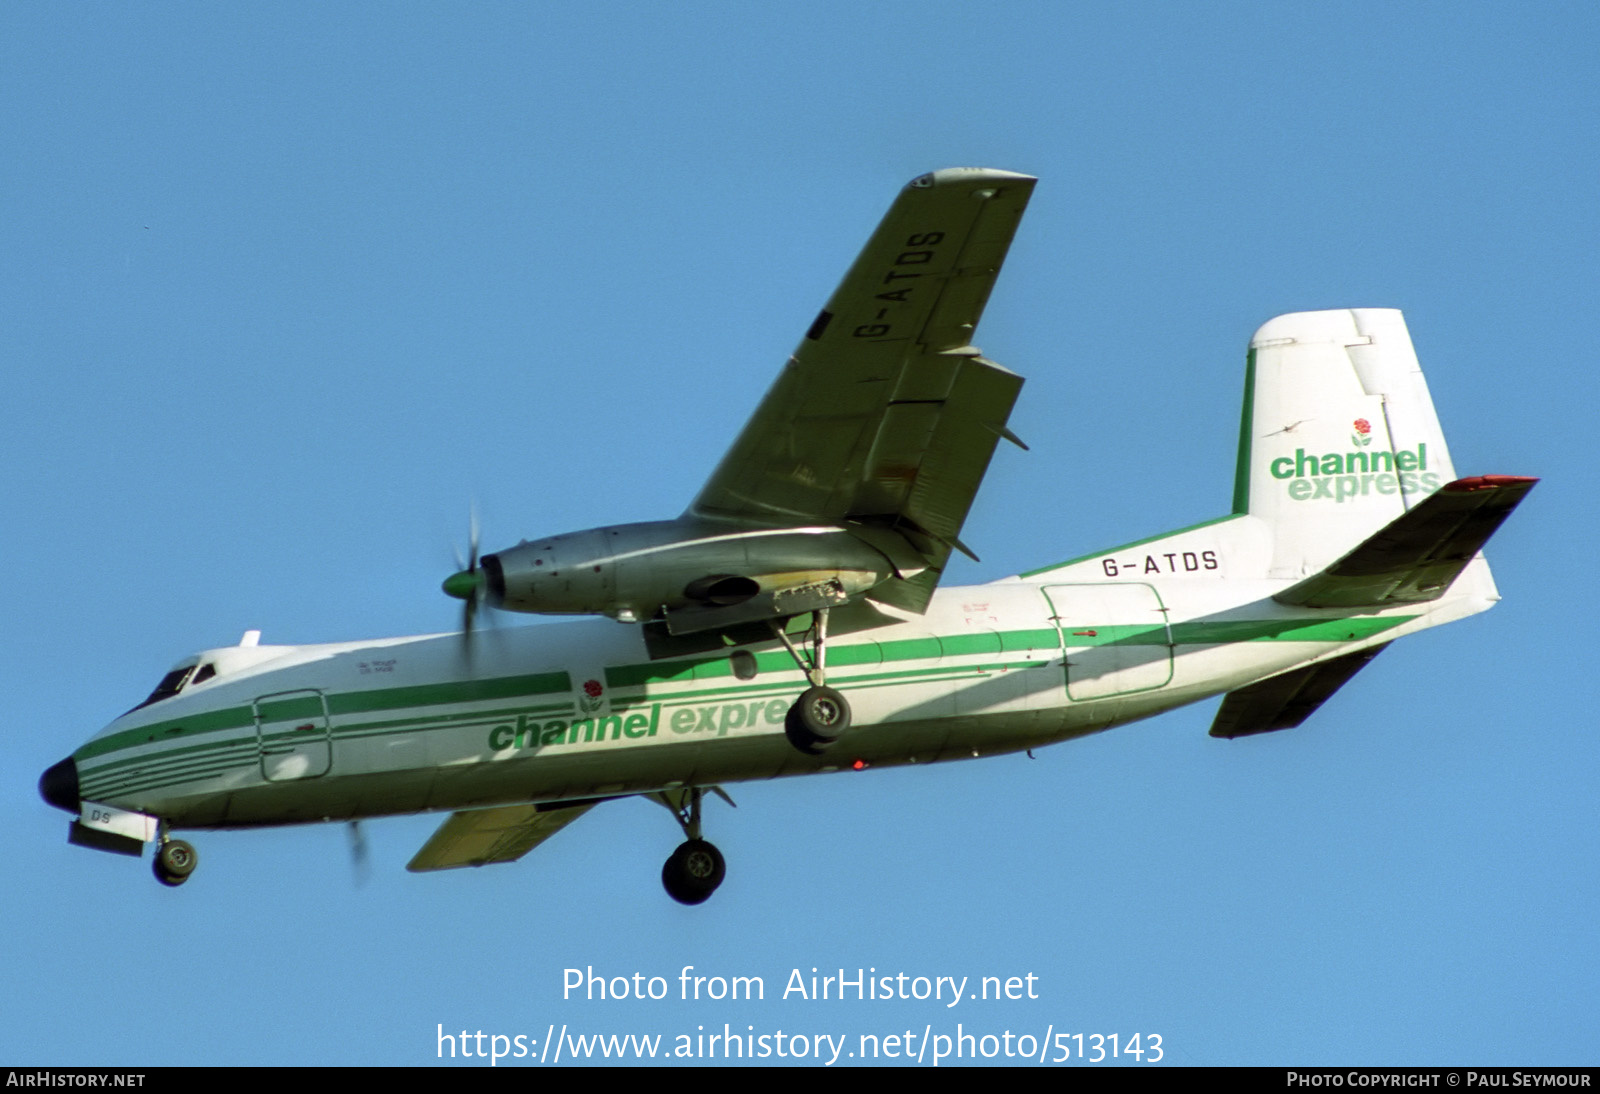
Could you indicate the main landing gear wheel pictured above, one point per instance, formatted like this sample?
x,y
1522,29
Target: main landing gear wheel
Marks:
x,y
816,720
175,860
693,872
820,715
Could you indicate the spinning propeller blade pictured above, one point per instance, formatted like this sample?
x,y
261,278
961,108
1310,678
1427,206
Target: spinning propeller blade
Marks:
x,y
466,584
360,870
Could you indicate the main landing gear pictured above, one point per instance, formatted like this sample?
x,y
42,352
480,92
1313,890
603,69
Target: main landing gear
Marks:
x,y
693,872
174,861
821,715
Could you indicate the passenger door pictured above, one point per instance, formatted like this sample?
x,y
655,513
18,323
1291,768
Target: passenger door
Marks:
x,y
293,735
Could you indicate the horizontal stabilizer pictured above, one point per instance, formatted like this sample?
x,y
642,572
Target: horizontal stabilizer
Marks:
x,y
1286,700
1415,557
477,837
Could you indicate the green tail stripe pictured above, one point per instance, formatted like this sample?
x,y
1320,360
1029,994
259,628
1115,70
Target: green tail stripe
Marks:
x,y
1241,474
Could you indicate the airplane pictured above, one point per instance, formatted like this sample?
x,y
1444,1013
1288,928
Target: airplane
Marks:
x,y
790,621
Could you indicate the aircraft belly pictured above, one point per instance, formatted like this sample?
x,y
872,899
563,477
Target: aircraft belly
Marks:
x,y
604,772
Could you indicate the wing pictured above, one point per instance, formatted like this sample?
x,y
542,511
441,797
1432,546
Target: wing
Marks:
x,y
887,415
477,837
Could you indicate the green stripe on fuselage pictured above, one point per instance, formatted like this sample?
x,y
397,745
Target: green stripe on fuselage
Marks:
x,y
339,703
650,677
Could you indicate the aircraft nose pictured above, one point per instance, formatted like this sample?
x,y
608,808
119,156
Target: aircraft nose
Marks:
x,y
59,785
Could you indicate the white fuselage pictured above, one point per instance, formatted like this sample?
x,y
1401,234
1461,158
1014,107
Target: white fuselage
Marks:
x,y
579,710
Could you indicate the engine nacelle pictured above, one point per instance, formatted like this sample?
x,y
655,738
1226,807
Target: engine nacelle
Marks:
x,y
700,574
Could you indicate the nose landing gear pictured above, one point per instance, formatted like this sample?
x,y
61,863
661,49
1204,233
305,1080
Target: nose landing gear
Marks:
x,y
692,872
174,861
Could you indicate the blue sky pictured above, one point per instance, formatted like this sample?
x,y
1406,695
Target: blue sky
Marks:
x,y
289,287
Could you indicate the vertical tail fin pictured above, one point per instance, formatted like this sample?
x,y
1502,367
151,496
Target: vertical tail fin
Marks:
x,y
1339,435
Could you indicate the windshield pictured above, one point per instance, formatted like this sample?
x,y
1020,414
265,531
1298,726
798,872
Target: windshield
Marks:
x,y
170,685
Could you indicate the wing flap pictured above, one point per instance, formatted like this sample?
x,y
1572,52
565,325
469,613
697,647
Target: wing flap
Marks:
x,y
477,837
925,472
969,426
1415,557
1286,700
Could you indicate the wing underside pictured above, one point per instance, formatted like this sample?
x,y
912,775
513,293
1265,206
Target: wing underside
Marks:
x,y
477,837
886,416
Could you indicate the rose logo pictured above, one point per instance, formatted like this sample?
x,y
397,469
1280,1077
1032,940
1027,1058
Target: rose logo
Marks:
x,y
592,688
589,701
1363,432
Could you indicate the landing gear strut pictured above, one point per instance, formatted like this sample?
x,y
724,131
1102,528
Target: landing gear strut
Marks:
x,y
693,872
174,861
821,714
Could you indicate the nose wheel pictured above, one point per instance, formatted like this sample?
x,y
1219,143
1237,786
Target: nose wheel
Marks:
x,y
692,872
175,860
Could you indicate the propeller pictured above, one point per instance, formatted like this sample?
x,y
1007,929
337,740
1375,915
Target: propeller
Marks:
x,y
360,870
466,584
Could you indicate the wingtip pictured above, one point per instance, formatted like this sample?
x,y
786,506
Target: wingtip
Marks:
x,y
948,175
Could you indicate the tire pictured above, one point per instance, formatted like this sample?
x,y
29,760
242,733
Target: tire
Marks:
x,y
175,860
817,720
693,872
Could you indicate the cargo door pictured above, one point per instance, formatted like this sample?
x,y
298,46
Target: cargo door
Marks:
x,y
1114,636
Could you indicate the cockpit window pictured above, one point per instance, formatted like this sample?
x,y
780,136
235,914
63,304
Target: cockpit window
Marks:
x,y
170,685
204,673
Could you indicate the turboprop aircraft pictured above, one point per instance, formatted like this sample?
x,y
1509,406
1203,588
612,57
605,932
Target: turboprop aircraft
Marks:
x,y
790,622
